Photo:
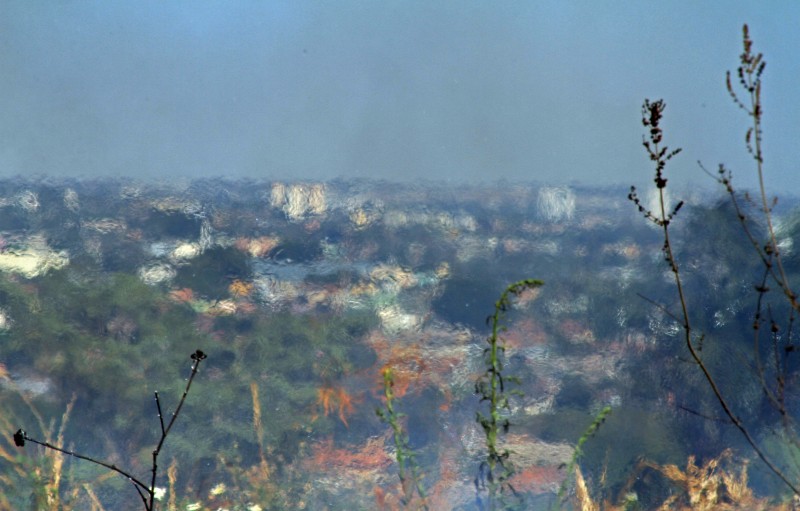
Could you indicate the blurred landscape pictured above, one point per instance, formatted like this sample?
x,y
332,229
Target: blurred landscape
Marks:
x,y
302,293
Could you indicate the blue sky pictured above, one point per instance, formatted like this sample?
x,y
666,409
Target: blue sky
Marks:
x,y
456,90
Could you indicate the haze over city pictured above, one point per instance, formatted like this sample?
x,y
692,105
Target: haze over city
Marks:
x,y
452,91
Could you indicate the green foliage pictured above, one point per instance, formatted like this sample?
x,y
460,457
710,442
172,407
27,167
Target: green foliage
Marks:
x,y
598,421
113,339
49,498
210,273
494,473
407,468
464,297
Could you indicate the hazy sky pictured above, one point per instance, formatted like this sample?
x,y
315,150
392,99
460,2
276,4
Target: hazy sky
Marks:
x,y
453,90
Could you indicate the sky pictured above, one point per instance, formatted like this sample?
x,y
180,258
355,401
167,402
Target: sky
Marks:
x,y
415,90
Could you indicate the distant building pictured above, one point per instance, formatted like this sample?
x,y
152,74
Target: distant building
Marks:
x,y
299,201
652,202
556,204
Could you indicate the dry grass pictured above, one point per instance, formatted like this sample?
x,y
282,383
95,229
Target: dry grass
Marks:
x,y
258,429
709,486
46,475
371,456
719,484
93,500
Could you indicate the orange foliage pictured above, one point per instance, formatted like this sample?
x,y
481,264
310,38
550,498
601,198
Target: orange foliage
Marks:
x,y
363,288
440,494
242,244
312,225
388,500
134,234
448,399
245,307
330,398
240,288
576,331
414,365
257,247
404,371
401,380
184,295
525,332
372,456
538,479
380,500
527,296
405,361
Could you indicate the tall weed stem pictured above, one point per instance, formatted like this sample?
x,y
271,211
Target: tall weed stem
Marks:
x,y
495,472
407,467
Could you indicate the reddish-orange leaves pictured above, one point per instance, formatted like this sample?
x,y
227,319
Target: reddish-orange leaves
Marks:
x,y
371,456
332,398
257,247
182,295
240,288
538,479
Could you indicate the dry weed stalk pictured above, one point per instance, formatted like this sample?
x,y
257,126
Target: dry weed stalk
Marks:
x,y
146,492
48,473
258,430
582,494
58,461
172,479
774,386
411,477
713,486
495,472
583,498
96,504
710,486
